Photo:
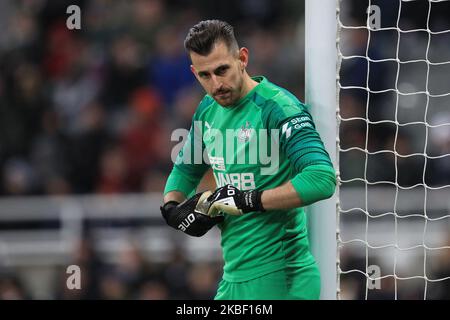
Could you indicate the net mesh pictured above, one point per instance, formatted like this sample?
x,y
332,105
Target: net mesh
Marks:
x,y
394,149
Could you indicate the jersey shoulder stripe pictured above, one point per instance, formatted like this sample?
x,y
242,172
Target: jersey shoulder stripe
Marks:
x,y
277,105
271,91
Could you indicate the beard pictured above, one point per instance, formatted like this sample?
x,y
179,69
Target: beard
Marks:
x,y
227,97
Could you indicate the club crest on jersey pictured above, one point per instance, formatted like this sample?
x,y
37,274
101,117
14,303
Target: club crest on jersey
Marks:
x,y
245,132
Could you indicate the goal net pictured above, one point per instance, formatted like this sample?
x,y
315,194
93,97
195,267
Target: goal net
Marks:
x,y
394,149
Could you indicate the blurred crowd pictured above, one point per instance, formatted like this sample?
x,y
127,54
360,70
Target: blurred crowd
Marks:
x,y
130,275
410,283
403,135
133,274
395,128
92,110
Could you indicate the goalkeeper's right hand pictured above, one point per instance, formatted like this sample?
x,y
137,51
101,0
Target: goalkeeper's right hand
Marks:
x,y
230,200
186,217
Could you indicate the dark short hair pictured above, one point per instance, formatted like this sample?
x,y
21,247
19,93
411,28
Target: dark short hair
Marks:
x,y
202,37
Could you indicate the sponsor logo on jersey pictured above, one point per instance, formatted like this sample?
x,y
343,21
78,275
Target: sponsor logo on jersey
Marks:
x,y
296,124
242,181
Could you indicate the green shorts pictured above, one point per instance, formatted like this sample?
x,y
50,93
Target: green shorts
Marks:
x,y
291,283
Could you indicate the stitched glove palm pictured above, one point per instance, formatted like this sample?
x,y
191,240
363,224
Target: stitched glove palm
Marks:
x,y
187,217
229,199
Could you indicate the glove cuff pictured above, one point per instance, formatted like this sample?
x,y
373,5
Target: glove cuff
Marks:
x,y
252,201
167,207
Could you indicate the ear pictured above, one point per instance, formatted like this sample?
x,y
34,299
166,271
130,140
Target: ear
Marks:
x,y
193,71
243,57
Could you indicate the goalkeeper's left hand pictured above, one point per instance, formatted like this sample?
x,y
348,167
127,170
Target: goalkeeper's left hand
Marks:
x,y
229,199
189,216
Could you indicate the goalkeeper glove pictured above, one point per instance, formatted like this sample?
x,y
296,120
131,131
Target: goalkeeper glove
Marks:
x,y
229,199
187,217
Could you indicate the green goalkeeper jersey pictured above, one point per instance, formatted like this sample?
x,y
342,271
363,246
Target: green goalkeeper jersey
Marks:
x,y
266,139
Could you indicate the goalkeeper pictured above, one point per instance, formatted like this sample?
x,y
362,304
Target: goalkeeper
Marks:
x,y
259,213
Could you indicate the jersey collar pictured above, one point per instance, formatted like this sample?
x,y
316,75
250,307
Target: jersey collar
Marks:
x,y
261,80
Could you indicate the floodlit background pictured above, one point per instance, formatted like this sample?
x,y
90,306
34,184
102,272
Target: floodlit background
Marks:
x,y
85,123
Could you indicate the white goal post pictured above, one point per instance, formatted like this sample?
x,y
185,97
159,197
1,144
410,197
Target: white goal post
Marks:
x,y
320,94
